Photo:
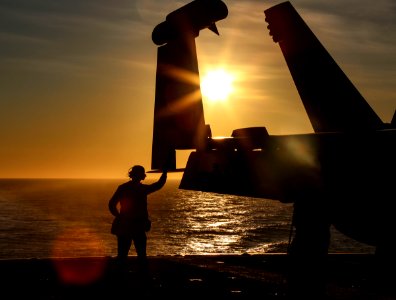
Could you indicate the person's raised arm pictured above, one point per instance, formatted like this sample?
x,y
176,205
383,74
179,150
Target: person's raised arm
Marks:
x,y
160,183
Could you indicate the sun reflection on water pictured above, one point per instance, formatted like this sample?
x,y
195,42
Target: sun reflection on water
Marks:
x,y
215,223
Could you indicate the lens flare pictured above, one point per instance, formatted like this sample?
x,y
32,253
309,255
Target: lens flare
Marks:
x,y
78,271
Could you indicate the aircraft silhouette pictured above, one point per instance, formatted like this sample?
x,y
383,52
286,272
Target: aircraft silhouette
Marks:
x,y
341,175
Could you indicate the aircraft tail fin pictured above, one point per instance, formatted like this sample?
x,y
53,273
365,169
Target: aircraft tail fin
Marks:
x,y
330,99
178,113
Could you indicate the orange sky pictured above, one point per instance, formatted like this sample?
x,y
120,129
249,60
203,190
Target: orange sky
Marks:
x,y
77,78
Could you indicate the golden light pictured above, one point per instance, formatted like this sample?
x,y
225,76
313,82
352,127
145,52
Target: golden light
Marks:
x,y
217,85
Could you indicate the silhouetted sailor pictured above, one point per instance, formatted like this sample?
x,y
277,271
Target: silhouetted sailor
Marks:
x,y
132,219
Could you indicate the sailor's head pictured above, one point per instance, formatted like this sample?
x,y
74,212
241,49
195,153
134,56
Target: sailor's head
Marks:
x,y
137,172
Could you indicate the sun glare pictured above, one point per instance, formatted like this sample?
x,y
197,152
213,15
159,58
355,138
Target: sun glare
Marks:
x,y
217,85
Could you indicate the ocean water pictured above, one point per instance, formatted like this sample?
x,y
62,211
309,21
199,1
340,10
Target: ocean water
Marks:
x,y
42,218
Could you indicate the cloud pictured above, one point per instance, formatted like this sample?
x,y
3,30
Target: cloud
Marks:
x,y
67,30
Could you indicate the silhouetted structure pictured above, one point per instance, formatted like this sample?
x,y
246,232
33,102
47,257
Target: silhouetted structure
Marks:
x,y
132,219
178,114
333,176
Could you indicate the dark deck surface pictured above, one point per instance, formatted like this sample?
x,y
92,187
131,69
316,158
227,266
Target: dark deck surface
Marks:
x,y
348,276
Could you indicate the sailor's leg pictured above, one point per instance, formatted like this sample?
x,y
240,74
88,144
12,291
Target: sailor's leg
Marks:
x,y
123,245
140,243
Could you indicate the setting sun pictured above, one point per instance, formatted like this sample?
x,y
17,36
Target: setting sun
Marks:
x,y
217,85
